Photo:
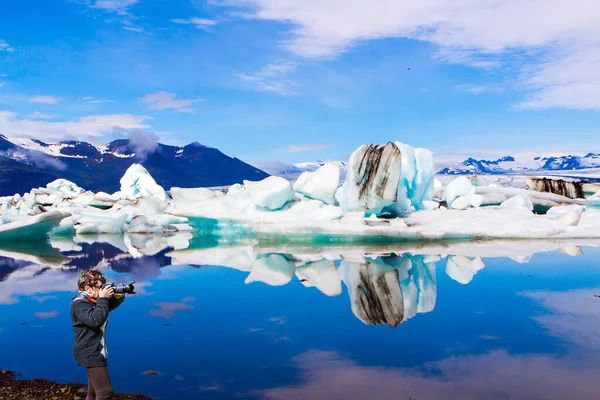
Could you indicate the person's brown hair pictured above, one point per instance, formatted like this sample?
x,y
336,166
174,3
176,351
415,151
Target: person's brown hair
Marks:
x,y
90,278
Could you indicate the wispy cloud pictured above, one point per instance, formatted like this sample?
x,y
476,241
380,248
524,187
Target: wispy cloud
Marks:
x,y
94,100
120,7
164,101
200,23
478,89
45,99
554,50
6,47
134,29
41,115
86,127
2,82
310,147
273,78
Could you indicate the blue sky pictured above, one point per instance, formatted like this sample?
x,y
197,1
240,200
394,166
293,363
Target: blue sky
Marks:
x,y
300,80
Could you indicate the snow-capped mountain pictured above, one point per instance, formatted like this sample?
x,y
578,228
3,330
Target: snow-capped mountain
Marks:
x,y
30,163
521,163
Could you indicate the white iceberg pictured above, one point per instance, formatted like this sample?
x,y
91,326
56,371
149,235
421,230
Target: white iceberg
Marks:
x,y
193,195
460,187
271,193
32,227
66,187
518,202
320,184
137,182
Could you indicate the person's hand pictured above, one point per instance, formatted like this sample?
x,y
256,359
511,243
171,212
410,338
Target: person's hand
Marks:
x,y
119,295
106,292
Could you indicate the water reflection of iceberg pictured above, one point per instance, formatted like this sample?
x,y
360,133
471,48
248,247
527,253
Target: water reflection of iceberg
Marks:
x,y
387,284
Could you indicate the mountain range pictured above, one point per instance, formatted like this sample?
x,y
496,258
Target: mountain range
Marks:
x,y
31,163
520,163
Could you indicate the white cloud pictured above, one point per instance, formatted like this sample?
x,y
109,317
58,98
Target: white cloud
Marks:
x,y
478,89
310,147
120,7
134,29
164,100
554,45
273,78
6,47
200,23
84,128
93,100
41,115
45,99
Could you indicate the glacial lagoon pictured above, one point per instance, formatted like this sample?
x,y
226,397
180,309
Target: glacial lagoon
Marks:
x,y
463,320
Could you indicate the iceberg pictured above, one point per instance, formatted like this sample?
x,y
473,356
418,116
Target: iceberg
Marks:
x,y
372,179
271,193
193,195
320,184
137,182
518,202
459,188
32,227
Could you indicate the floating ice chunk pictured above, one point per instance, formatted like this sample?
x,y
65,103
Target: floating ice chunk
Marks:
x,y
271,193
321,274
320,184
518,202
272,269
372,179
464,202
140,224
353,217
193,195
137,182
461,186
421,188
236,187
66,187
32,227
438,189
430,205
559,211
462,269
107,226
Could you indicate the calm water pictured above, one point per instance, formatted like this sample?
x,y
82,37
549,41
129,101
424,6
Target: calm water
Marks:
x,y
352,323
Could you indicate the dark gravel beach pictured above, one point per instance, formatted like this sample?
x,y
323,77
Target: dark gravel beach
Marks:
x,y
36,389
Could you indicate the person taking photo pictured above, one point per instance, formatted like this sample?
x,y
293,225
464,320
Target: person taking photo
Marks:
x,y
89,313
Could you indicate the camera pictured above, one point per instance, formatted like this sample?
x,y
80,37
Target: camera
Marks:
x,y
121,287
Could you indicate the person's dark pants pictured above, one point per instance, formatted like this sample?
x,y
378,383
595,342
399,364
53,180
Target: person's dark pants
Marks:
x,y
99,384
